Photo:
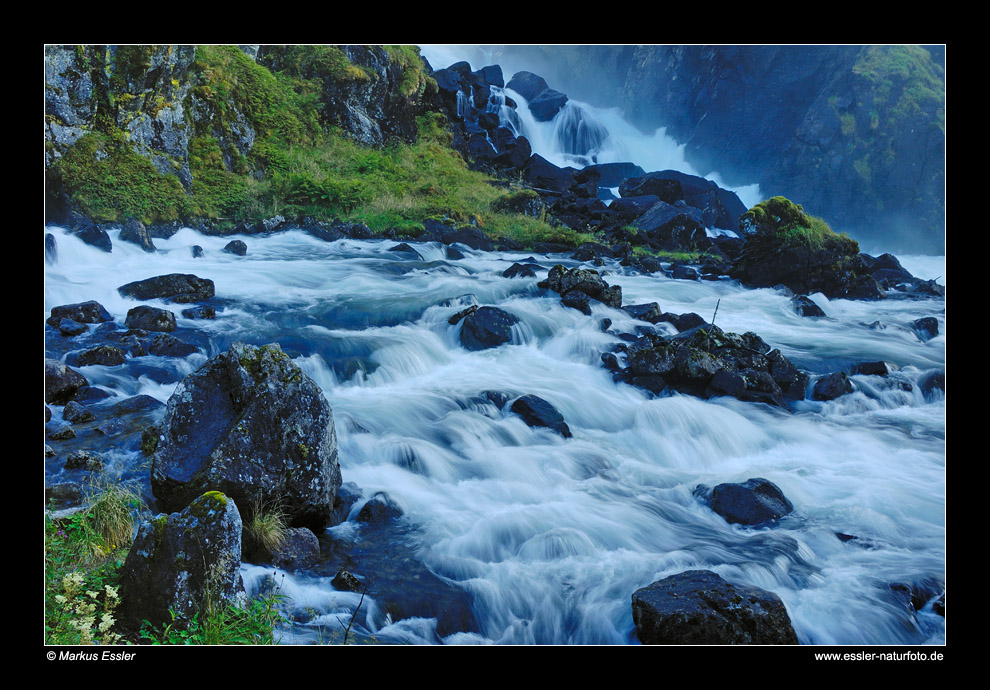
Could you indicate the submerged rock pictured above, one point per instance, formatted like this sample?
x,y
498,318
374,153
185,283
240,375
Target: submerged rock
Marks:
x,y
699,607
251,424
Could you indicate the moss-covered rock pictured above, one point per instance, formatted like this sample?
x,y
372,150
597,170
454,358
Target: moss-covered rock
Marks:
x,y
183,562
787,246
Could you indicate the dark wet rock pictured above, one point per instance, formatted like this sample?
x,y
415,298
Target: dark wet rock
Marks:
x,y
518,270
135,232
344,581
200,312
74,413
61,382
150,319
931,382
456,318
252,424
699,607
610,361
756,501
103,355
88,395
196,251
51,249
174,287
467,235
926,327
454,254
48,414
497,398
536,411
84,460
379,509
543,101
682,322
70,328
299,549
586,281
64,493
871,368
405,250
612,174
487,327
236,247
575,299
805,306
681,272
82,312
61,433
166,345
831,386
93,235
177,560
689,362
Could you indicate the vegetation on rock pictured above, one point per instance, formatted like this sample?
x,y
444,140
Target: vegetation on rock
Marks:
x,y
261,142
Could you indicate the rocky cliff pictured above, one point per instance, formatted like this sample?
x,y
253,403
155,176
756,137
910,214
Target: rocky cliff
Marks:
x,y
167,132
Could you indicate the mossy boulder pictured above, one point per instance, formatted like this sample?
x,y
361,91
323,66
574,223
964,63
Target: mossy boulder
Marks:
x,y
251,424
180,562
786,246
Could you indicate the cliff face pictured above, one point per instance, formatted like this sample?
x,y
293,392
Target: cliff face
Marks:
x,y
857,134
124,124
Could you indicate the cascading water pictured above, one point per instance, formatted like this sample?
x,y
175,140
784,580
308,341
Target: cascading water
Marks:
x,y
549,536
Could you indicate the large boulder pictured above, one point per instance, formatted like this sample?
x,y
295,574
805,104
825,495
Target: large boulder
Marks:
x,y
786,246
251,424
699,607
180,562
175,287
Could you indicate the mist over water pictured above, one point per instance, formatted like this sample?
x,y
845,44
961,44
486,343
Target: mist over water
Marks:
x,y
551,536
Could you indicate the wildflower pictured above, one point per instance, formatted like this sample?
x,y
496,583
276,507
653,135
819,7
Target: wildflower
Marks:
x,y
111,591
92,594
106,622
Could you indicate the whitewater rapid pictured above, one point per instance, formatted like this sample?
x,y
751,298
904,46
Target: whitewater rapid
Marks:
x,y
551,536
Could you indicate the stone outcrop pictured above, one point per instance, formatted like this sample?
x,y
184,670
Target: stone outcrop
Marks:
x,y
251,424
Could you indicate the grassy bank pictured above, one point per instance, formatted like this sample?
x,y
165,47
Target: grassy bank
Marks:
x,y
297,162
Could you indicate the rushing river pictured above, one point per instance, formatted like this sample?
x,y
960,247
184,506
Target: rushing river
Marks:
x,y
549,536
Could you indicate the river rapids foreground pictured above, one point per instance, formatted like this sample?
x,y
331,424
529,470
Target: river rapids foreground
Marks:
x,y
550,536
